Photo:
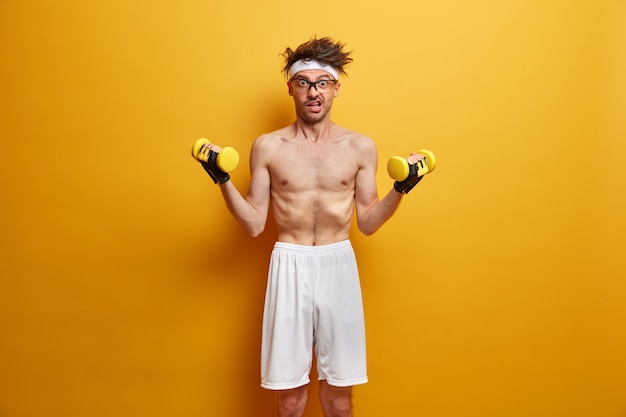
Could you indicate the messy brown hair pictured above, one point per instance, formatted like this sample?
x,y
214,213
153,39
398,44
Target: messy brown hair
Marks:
x,y
324,50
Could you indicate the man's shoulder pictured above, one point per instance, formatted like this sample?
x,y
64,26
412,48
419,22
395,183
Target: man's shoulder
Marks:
x,y
359,139
267,142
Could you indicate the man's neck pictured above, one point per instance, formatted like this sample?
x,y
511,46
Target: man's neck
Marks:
x,y
313,131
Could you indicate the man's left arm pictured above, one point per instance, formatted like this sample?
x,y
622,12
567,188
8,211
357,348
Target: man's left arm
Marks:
x,y
372,212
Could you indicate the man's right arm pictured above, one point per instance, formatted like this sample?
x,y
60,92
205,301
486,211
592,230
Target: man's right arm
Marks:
x,y
251,211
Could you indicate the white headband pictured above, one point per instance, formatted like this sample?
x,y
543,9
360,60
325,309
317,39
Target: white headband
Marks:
x,y
312,64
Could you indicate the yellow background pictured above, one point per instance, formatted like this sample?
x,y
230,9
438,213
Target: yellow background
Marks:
x,y
496,290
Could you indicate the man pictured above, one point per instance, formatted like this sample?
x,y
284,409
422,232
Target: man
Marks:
x,y
316,174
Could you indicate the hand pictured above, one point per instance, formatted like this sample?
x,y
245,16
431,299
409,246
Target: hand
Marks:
x,y
216,161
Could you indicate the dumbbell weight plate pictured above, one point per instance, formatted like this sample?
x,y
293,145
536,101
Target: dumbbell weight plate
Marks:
x,y
228,159
430,157
398,168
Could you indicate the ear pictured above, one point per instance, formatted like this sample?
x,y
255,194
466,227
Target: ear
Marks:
x,y
290,88
337,88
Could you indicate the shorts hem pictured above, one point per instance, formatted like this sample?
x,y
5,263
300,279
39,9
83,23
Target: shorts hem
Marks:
x,y
282,387
345,383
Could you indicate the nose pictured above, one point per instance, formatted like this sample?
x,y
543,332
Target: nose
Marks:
x,y
312,91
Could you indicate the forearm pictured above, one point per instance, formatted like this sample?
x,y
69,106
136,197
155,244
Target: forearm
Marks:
x,y
250,217
377,214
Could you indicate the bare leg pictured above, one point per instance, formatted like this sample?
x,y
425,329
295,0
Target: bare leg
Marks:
x,y
336,401
291,402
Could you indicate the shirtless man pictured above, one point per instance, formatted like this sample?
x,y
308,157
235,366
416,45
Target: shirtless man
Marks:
x,y
316,174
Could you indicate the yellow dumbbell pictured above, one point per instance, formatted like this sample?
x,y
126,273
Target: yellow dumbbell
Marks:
x,y
227,158
398,167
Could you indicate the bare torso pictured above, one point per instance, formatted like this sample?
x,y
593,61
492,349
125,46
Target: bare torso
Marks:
x,y
312,184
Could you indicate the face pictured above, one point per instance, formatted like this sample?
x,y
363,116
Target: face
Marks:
x,y
313,102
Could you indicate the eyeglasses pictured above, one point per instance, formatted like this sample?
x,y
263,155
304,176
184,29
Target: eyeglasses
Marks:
x,y
321,85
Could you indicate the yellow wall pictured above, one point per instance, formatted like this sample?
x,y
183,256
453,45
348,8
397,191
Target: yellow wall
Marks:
x,y
497,290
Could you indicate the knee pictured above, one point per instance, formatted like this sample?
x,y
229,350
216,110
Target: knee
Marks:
x,y
336,402
291,403
339,407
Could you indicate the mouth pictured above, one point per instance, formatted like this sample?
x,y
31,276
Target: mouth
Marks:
x,y
314,105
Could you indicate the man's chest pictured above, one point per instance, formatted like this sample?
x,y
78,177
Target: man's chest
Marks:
x,y
315,167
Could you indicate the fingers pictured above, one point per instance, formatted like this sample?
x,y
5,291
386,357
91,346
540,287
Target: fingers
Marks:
x,y
414,157
226,159
213,147
202,146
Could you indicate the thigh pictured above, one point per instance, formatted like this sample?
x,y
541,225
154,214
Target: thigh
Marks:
x,y
286,348
340,326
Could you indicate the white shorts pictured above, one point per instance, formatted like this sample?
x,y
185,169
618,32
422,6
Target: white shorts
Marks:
x,y
313,301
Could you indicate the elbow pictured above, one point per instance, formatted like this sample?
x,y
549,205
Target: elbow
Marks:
x,y
255,230
255,233
253,226
367,230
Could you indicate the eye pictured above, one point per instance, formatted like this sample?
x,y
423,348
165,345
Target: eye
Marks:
x,y
323,83
302,83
